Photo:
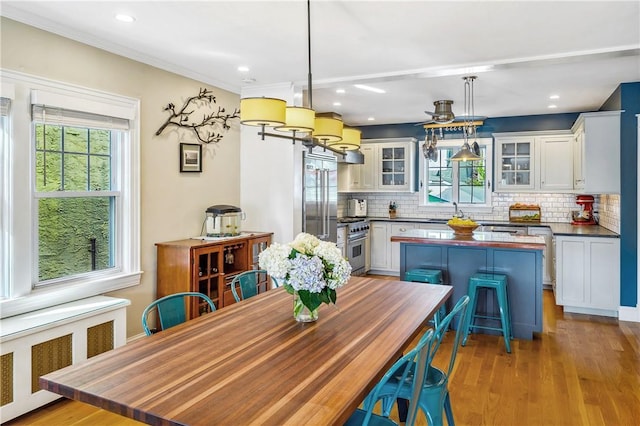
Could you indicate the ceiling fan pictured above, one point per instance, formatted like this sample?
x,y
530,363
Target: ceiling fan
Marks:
x,y
443,113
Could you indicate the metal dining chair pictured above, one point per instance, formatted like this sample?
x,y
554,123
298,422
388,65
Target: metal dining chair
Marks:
x,y
245,285
171,310
419,356
434,397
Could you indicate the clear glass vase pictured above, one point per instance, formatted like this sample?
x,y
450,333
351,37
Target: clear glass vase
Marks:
x,y
300,312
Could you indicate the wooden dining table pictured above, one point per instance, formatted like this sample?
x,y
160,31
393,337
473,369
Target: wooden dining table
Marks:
x,y
252,363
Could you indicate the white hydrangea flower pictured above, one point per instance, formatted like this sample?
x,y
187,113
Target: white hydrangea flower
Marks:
x,y
316,266
275,259
305,243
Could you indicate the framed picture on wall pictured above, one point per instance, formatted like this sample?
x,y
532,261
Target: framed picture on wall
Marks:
x,y
190,157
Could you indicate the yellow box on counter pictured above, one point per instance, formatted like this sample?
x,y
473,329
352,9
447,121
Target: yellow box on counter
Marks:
x,y
524,213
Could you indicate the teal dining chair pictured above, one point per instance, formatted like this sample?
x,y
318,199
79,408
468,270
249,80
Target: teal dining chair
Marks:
x,y
419,356
171,309
245,285
434,397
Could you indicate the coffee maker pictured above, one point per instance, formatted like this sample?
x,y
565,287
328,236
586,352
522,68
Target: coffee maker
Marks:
x,y
584,216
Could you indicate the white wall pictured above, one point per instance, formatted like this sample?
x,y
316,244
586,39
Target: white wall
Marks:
x,y
271,179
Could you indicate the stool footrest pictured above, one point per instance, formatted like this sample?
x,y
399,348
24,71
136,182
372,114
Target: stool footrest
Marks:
x,y
485,327
486,317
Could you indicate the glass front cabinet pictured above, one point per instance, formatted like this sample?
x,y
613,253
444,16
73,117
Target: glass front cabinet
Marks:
x,y
395,167
515,163
389,166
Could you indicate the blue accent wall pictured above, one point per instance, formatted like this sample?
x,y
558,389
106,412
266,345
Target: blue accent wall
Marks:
x,y
626,97
490,126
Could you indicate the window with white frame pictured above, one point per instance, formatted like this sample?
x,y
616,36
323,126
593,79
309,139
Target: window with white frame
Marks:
x,y
5,107
463,182
74,186
77,192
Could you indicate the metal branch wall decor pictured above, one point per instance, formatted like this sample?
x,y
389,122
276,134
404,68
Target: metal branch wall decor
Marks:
x,y
207,120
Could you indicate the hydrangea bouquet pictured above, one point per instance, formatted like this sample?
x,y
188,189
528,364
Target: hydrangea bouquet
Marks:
x,y
311,268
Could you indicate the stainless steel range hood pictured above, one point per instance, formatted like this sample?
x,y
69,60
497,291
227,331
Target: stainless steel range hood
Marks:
x,y
351,157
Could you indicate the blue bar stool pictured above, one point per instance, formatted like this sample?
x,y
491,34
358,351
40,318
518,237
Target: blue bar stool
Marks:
x,y
428,276
498,283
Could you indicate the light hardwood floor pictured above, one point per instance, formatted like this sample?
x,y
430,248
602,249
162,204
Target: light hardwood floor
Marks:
x,y
582,370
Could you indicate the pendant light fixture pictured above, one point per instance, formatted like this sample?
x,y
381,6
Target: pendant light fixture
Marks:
x,y
263,112
466,153
325,130
350,139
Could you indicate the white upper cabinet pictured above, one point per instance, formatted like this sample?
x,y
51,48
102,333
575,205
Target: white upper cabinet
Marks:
x,y
556,162
597,152
388,167
359,177
534,161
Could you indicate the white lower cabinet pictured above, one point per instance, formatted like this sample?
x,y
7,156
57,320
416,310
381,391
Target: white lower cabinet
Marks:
x,y
385,255
379,234
588,274
398,229
548,273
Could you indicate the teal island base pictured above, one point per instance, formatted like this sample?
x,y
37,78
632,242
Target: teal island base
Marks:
x,y
522,266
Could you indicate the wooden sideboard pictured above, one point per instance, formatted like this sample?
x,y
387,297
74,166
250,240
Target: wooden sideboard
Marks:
x,y
209,266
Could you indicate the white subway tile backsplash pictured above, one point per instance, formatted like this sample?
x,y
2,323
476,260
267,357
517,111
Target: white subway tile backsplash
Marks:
x,y
554,207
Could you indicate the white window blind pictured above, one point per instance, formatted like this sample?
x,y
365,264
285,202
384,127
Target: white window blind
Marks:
x,y
105,105
65,117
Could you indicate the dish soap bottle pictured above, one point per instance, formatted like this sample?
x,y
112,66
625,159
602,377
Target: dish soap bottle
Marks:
x,y
392,210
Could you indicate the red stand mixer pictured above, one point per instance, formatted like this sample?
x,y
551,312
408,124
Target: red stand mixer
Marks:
x,y
584,216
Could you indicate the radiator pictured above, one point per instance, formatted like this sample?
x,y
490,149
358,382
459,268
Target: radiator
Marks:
x,y
46,340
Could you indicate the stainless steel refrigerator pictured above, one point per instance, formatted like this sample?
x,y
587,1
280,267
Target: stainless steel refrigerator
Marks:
x,y
320,195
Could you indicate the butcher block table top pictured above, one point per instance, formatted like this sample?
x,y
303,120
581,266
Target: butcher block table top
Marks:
x,y
252,363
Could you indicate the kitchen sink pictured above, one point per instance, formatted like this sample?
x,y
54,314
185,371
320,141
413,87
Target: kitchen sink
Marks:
x,y
514,230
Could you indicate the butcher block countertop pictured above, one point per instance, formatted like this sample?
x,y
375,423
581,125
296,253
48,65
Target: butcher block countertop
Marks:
x,y
479,239
556,228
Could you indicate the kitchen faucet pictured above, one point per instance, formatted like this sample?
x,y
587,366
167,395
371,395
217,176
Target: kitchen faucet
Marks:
x,y
457,213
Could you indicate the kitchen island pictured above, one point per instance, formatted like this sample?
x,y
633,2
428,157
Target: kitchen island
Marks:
x,y
519,257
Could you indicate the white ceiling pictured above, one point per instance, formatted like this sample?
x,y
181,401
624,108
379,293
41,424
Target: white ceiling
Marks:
x,y
579,50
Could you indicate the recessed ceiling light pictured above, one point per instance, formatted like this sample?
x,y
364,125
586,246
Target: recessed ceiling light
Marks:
x,y
248,80
340,91
125,18
243,68
554,97
369,88
337,104
371,119
552,106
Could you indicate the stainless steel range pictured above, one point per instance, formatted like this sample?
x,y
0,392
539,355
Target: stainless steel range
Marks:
x,y
357,233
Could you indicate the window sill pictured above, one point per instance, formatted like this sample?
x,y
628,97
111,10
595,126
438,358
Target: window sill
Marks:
x,y
449,209
47,297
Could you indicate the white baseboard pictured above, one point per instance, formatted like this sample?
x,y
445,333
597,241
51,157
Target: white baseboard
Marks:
x,y
136,337
590,311
629,313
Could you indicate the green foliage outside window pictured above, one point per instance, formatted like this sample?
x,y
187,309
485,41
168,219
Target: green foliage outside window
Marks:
x,y
78,160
